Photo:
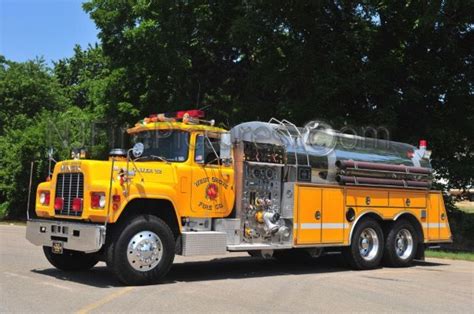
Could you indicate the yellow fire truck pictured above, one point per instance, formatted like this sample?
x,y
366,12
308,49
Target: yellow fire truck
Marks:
x,y
267,188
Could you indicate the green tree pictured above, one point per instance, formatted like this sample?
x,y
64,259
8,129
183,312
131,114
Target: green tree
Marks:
x,y
36,114
25,89
90,83
403,65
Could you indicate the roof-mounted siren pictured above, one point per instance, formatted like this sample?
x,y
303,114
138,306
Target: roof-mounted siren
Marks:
x,y
426,154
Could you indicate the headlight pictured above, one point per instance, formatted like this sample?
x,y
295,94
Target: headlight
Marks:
x,y
44,198
102,201
98,200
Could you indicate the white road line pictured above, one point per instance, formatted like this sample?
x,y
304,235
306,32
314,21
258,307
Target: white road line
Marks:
x,y
9,274
52,284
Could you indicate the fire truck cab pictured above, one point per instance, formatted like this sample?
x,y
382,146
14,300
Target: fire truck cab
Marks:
x,y
270,189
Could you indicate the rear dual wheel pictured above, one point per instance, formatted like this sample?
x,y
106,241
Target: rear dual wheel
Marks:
x,y
369,246
402,244
366,249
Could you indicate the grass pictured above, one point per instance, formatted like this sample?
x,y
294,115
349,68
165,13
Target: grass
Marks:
x,y
13,222
466,206
466,256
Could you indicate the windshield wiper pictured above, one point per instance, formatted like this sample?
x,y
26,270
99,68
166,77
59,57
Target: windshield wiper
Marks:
x,y
151,157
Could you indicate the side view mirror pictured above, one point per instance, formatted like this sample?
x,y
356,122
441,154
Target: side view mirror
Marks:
x,y
226,147
138,149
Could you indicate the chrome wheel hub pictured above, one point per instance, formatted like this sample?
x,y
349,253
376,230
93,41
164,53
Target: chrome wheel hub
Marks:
x,y
404,244
144,251
368,244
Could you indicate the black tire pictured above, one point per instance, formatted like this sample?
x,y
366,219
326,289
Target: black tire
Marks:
x,y
70,260
401,244
359,257
118,251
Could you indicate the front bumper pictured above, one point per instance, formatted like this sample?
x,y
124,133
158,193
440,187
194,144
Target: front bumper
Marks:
x,y
88,238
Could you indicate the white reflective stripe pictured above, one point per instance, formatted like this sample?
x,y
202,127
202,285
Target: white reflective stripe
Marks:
x,y
333,226
433,225
314,226
310,226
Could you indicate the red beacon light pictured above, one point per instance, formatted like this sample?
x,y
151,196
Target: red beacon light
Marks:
x,y
191,113
423,144
426,153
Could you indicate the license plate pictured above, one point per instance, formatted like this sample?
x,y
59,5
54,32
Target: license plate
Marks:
x,y
57,248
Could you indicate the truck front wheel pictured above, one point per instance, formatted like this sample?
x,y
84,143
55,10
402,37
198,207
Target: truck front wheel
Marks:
x,y
70,260
141,251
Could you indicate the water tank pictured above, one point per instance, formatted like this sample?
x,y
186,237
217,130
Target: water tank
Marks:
x,y
326,152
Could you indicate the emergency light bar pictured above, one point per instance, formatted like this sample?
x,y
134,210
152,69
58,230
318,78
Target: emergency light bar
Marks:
x,y
186,116
179,114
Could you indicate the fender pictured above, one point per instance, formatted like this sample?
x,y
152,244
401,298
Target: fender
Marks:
x,y
165,192
364,213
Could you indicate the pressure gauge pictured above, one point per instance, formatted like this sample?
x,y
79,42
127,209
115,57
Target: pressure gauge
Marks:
x,y
256,173
270,173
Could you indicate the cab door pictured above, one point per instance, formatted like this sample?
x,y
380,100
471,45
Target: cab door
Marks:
x,y
212,184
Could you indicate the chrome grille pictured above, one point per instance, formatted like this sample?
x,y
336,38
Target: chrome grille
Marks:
x,y
69,186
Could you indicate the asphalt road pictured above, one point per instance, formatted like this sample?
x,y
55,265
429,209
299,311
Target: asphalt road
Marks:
x,y
233,283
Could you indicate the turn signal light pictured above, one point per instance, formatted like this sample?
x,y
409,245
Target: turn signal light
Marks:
x,y
116,201
58,203
97,200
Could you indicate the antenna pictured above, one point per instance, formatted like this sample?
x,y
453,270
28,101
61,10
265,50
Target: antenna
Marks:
x,y
198,94
50,158
205,107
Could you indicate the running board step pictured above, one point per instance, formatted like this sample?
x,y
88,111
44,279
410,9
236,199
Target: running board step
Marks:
x,y
258,246
204,243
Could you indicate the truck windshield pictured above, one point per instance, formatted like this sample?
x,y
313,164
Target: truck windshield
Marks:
x,y
171,145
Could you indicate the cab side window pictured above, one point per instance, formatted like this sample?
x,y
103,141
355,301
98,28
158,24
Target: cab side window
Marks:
x,y
206,149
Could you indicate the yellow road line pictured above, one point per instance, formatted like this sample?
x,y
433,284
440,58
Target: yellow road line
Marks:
x,y
104,300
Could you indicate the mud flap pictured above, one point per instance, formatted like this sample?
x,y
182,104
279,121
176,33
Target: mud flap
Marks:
x,y
420,252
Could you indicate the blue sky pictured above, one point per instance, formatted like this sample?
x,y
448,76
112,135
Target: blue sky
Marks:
x,y
43,28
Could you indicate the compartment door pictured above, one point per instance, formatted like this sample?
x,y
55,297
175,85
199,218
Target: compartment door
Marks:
x,y
432,224
309,214
333,216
